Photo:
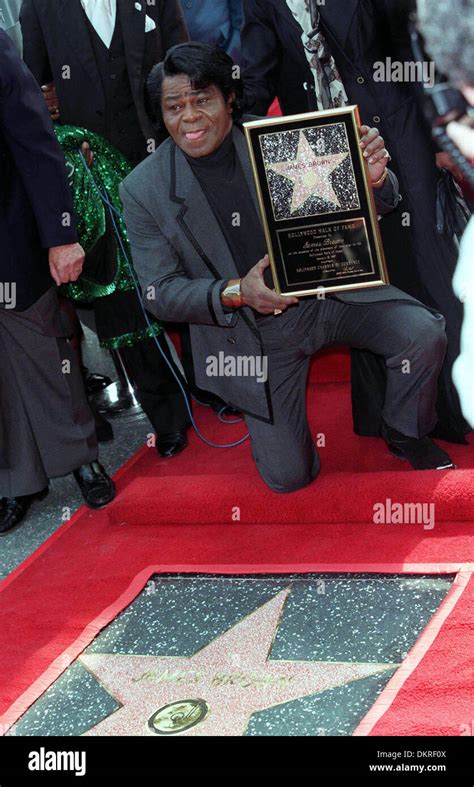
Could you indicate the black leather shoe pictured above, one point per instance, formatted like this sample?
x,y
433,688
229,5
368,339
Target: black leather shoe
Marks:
x,y
216,403
171,444
225,410
103,429
94,382
14,509
421,452
97,488
220,407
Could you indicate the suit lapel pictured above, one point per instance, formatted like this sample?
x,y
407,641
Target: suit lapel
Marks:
x,y
197,220
337,18
73,23
286,21
132,21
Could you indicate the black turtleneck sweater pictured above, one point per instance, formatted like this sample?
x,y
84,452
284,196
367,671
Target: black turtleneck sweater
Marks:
x,y
224,184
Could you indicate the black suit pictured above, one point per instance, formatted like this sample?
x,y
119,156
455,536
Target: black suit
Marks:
x,y
105,94
360,32
421,260
31,213
56,35
46,427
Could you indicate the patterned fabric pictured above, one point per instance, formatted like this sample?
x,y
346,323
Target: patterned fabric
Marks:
x,y
108,171
329,89
9,13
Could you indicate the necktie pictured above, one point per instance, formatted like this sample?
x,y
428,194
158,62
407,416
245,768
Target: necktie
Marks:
x,y
101,15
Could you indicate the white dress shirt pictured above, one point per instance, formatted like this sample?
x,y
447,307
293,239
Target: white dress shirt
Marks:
x,y
102,15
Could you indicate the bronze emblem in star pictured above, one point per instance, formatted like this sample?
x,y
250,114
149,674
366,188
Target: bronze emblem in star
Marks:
x,y
215,691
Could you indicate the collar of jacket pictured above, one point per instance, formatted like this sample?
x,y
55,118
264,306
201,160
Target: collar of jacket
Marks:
x,y
183,181
336,16
196,218
195,214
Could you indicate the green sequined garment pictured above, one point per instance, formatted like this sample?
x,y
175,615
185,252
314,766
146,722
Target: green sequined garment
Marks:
x,y
109,168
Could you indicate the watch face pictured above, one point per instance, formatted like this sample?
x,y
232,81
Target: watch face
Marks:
x,y
231,295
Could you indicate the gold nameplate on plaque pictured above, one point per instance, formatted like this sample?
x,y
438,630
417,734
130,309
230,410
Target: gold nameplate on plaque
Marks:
x,y
316,202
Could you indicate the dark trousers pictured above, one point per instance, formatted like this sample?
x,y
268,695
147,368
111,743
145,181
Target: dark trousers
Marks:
x,y
157,389
46,425
411,340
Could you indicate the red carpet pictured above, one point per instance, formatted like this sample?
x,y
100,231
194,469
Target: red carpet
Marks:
x,y
183,515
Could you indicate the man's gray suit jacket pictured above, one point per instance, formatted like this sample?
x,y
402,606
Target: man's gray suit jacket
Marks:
x,y
182,259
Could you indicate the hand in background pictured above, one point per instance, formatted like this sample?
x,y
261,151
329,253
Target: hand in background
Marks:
x,y
462,134
373,148
65,262
49,92
87,153
256,293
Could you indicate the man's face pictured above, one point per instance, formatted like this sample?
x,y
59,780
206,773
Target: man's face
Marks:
x,y
197,120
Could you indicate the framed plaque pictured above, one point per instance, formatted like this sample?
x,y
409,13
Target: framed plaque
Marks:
x,y
316,202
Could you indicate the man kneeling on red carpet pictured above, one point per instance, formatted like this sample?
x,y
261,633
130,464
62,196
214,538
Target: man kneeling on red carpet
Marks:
x,y
196,266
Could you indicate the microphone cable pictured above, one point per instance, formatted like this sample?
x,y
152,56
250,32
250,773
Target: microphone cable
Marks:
x,y
113,213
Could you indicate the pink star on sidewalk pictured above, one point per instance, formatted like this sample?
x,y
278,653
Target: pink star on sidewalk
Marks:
x,y
231,678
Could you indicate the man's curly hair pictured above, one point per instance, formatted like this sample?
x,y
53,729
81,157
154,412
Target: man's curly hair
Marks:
x,y
205,65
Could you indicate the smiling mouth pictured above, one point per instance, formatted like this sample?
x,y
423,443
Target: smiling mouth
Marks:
x,y
192,136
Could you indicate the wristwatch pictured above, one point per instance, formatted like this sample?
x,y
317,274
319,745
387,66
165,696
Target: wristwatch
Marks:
x,y
231,295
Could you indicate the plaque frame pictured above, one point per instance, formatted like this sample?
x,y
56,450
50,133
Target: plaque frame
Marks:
x,y
273,226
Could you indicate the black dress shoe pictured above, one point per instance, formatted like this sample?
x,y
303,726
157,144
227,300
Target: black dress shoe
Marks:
x,y
421,452
97,488
103,429
225,410
171,444
216,403
14,509
94,382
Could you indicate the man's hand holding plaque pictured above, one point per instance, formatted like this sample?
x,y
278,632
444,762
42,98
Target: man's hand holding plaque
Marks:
x,y
253,290
313,174
258,296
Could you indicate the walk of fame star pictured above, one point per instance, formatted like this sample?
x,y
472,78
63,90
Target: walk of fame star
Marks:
x,y
215,691
310,174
